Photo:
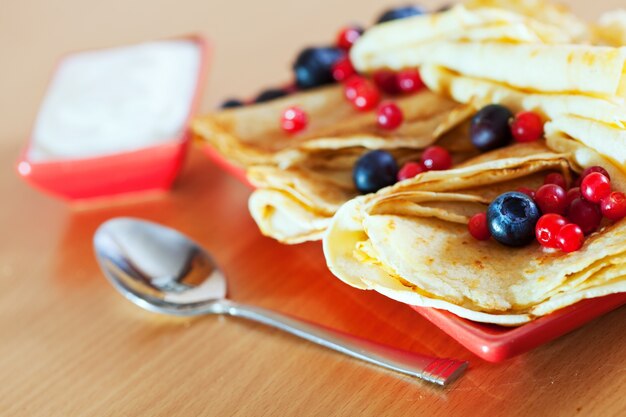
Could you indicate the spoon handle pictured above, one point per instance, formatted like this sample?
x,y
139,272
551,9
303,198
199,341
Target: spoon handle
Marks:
x,y
437,370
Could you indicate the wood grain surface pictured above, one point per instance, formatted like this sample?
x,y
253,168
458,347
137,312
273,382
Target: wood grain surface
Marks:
x,y
71,346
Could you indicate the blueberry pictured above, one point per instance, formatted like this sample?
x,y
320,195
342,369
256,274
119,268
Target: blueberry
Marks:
x,y
511,219
270,94
490,127
313,66
374,170
400,13
231,103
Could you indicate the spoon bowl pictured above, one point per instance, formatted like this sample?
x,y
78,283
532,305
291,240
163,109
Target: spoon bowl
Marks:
x,y
163,271
158,268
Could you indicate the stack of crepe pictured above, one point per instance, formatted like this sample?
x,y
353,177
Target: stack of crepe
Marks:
x,y
410,241
301,180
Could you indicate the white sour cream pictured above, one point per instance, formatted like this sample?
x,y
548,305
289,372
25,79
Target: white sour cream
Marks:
x,y
116,100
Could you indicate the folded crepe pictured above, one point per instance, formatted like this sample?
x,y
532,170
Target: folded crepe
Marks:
x,y
459,24
296,204
301,180
607,139
552,68
481,91
251,135
410,242
512,47
597,122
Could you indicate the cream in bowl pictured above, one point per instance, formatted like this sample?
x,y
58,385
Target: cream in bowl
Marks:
x,y
115,120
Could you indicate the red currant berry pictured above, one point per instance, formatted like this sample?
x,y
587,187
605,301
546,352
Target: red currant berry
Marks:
x,y
347,36
572,194
595,187
528,191
366,96
614,206
351,85
570,238
436,158
547,228
527,127
556,178
477,226
551,198
342,69
585,214
410,81
387,81
594,168
389,116
410,170
293,119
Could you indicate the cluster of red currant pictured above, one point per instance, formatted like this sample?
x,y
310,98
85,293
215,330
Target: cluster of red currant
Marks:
x,y
567,215
364,94
579,211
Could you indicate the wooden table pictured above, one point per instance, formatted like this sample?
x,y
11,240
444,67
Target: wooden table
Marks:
x,y
72,346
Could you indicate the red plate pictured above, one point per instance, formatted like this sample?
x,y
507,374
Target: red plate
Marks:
x,y
149,168
492,342
496,343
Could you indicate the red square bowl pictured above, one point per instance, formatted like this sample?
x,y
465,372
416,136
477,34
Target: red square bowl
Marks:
x,y
491,342
148,168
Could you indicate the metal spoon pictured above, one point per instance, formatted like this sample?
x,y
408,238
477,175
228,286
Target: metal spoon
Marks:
x,y
163,271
